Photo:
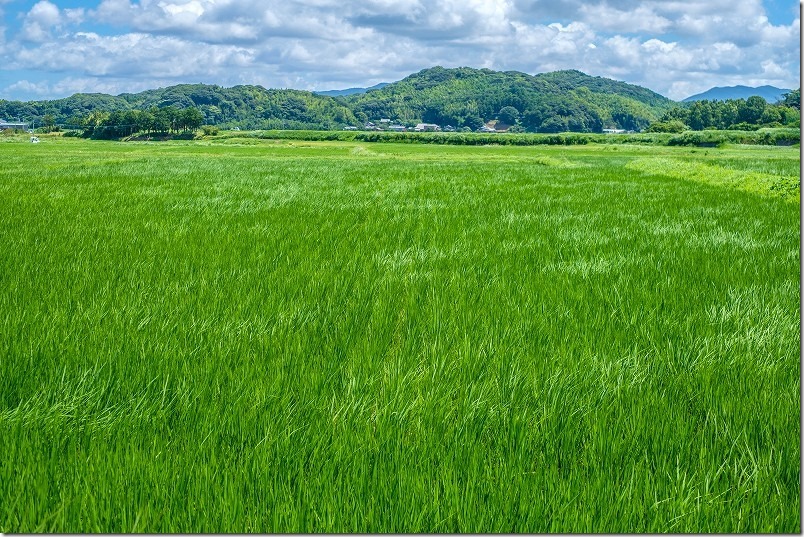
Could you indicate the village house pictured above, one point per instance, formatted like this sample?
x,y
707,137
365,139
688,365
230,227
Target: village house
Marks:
x,y
426,127
5,125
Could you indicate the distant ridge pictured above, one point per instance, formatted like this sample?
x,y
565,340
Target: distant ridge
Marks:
x,y
461,98
350,91
558,101
771,94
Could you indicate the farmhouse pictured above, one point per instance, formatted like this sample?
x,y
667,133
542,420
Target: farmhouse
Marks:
x,y
5,125
397,128
426,127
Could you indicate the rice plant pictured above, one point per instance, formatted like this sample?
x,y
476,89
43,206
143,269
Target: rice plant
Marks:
x,y
291,336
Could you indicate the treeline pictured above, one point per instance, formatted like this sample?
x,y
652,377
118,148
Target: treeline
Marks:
x,y
777,136
119,124
245,107
733,114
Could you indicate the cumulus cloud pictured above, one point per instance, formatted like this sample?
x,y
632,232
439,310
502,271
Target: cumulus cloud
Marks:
x,y
40,20
642,18
133,55
676,47
44,18
32,88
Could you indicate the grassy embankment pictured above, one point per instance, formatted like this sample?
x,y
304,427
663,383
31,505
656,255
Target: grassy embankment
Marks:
x,y
281,336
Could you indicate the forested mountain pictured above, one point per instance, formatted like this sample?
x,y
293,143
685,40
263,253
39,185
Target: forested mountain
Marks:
x,y
350,91
550,102
461,97
771,94
252,107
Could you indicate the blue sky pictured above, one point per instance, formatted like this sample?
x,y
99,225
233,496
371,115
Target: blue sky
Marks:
x,y
54,48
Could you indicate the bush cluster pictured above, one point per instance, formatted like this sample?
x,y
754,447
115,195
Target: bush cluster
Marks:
x,y
708,138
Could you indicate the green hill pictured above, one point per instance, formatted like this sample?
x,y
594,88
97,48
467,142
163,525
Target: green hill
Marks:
x,y
248,107
251,107
771,94
550,102
461,97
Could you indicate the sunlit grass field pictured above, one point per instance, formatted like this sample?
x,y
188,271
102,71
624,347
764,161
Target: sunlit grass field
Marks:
x,y
266,336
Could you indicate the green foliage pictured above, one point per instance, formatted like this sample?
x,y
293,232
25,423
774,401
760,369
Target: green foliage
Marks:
x,y
120,124
751,111
48,124
672,125
734,114
63,111
437,138
191,118
793,99
580,111
784,136
508,115
241,106
465,97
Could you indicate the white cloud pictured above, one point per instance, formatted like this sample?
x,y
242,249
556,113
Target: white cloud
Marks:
x,y
38,89
772,70
72,85
134,54
44,17
40,20
672,46
639,19
45,13
114,11
74,16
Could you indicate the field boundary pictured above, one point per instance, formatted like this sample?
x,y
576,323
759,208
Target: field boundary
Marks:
x,y
786,187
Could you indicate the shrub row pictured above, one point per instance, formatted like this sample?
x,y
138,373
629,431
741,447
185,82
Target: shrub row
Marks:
x,y
690,138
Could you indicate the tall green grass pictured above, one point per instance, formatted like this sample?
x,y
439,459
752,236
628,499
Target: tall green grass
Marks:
x,y
303,337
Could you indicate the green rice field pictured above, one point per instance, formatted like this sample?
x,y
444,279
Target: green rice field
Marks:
x,y
252,335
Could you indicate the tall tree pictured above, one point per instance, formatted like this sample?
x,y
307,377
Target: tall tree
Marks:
x,y
508,115
793,99
751,110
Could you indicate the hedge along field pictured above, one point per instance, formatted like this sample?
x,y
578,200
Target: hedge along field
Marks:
x,y
710,138
255,336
